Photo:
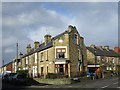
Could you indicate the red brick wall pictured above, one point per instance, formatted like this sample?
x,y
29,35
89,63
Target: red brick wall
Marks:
x,y
9,67
117,50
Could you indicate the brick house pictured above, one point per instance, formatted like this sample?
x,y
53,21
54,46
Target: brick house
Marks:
x,y
102,58
64,54
6,67
117,50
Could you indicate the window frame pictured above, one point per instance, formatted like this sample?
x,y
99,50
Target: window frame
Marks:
x,y
60,52
75,39
42,56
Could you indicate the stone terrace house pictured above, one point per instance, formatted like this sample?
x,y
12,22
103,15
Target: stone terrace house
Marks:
x,y
106,58
64,54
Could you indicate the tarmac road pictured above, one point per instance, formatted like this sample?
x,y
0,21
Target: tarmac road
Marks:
x,y
98,84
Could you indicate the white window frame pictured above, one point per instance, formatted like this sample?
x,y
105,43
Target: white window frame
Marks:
x,y
61,47
98,58
26,60
113,60
41,56
36,57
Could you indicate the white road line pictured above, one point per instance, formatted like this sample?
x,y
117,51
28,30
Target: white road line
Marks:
x,y
105,86
115,83
109,85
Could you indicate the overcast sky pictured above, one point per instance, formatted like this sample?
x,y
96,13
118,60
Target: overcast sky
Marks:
x,y
27,22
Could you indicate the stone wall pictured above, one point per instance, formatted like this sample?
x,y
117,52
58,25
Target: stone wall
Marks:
x,y
90,58
74,53
48,62
54,81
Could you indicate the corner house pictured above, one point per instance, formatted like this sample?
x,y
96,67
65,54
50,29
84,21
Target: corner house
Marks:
x,y
64,55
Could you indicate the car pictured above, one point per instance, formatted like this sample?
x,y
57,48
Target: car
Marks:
x,y
19,79
8,77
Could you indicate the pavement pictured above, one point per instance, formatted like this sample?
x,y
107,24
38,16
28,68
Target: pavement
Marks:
x,y
97,84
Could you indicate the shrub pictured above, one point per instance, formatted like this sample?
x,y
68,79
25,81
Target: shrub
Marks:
x,y
22,72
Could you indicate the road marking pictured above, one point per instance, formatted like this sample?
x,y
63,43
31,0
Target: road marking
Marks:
x,y
109,85
105,86
115,83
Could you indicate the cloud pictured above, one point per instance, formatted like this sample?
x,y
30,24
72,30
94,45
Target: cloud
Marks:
x,y
9,50
28,22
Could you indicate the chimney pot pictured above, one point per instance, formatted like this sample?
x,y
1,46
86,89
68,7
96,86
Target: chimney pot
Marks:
x,y
36,45
28,48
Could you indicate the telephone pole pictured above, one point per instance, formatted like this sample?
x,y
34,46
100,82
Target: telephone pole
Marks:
x,y
16,56
16,50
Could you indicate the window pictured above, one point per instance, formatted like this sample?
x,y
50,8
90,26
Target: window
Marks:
x,y
26,60
41,70
60,53
113,60
42,57
98,58
30,59
61,68
75,39
23,61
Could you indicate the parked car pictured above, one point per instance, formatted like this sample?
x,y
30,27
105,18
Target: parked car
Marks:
x,y
8,77
19,79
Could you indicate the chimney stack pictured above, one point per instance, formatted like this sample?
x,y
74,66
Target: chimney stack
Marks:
x,y
100,47
92,46
70,28
106,47
20,55
117,50
28,48
47,38
36,45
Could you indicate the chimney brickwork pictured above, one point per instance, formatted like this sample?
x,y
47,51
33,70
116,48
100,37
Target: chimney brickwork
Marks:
x,y
47,38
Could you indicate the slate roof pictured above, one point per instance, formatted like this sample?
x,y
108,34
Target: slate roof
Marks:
x,y
59,35
43,46
103,52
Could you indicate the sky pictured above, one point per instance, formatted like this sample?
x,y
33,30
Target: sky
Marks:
x,y
27,22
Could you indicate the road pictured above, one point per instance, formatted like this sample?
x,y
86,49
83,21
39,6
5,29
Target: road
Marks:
x,y
110,82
